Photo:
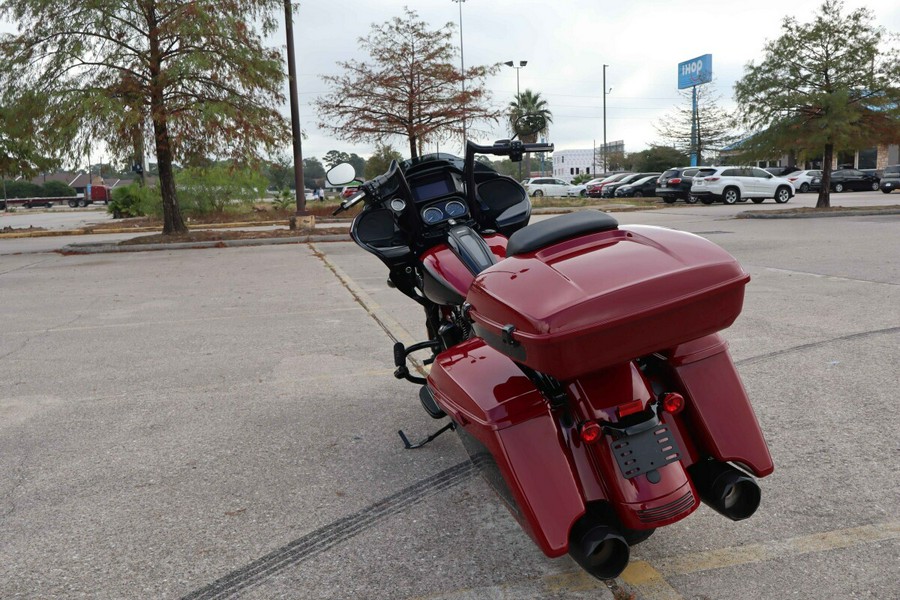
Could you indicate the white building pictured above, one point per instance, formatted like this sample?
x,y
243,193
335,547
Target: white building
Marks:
x,y
569,163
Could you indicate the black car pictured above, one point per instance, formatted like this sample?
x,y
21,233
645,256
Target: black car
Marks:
x,y
676,183
642,188
609,190
891,179
845,180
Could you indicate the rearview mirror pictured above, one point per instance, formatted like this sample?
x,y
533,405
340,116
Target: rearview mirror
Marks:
x,y
529,124
341,174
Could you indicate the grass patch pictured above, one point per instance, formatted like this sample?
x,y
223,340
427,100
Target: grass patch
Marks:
x,y
811,210
221,236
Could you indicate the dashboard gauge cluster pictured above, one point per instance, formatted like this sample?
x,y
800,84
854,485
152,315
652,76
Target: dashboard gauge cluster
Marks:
x,y
437,213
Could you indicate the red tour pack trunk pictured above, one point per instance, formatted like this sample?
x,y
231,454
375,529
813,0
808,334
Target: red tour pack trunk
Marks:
x,y
600,299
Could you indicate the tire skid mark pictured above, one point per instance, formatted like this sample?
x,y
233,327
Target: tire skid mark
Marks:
x,y
326,537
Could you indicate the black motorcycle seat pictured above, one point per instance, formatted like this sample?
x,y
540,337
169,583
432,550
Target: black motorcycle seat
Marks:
x,y
543,233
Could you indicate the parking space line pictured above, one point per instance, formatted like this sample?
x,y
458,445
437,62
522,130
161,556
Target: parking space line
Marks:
x,y
391,326
646,581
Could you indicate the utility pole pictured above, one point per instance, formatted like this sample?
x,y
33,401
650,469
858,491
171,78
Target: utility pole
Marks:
x,y
462,71
295,112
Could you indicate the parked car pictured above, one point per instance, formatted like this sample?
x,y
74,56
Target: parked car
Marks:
x,y
581,188
348,191
596,190
801,179
844,180
546,186
645,186
781,171
609,190
676,183
891,179
733,184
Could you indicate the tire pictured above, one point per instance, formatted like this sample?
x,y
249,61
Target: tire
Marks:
x,y
875,186
49,205
692,200
839,187
582,193
731,195
638,195
82,203
782,195
669,200
886,191
707,200
538,193
26,205
72,203
804,187
758,200
2,205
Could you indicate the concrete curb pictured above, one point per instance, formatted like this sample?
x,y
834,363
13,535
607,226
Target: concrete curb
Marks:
x,y
817,215
112,248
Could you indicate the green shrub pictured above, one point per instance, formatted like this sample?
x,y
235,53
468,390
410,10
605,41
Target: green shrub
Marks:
x,y
58,189
22,189
204,190
135,201
284,200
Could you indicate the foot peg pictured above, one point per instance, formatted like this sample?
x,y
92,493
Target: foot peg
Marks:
x,y
429,404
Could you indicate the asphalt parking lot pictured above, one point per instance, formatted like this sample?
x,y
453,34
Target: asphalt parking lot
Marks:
x,y
222,422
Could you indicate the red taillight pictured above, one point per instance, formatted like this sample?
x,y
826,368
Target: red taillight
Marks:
x,y
630,408
793,178
672,402
711,178
675,181
591,432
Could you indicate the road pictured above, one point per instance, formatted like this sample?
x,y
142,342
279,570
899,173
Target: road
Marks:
x,y
205,423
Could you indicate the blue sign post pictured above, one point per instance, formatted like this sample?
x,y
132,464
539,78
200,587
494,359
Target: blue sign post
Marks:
x,y
692,73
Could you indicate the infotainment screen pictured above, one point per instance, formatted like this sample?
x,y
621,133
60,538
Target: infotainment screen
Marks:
x,y
431,189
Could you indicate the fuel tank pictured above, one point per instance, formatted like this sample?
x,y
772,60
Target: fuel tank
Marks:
x,y
445,278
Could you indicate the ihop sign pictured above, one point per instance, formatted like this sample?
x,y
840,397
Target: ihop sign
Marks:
x,y
695,71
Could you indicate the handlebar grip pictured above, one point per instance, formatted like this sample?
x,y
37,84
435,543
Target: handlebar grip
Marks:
x,y
349,202
540,147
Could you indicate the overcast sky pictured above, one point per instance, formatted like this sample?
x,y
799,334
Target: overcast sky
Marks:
x,y
566,43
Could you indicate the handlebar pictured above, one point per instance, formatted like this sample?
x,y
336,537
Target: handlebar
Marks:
x,y
349,202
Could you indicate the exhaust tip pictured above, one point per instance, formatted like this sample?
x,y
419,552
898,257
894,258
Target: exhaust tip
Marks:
x,y
726,490
599,549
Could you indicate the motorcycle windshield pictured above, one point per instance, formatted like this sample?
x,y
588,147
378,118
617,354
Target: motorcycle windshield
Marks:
x,y
442,157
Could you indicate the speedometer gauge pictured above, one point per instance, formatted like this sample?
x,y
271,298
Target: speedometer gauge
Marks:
x,y
455,208
432,215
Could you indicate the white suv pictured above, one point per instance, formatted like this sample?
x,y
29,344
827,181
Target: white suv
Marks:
x,y
736,184
546,186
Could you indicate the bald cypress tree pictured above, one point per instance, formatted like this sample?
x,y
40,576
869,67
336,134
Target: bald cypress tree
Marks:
x,y
191,75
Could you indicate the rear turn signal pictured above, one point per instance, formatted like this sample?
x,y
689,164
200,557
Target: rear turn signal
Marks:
x,y
591,432
672,402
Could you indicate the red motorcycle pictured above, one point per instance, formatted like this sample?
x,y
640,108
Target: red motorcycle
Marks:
x,y
577,359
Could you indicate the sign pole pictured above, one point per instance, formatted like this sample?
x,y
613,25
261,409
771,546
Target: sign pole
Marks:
x,y
694,152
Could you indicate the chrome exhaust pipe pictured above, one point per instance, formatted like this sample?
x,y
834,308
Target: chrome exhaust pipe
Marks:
x,y
725,489
599,548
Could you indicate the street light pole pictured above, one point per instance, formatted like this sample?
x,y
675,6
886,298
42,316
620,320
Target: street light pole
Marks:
x,y
462,71
299,187
512,64
605,169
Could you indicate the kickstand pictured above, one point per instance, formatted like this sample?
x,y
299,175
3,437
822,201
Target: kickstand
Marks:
x,y
451,426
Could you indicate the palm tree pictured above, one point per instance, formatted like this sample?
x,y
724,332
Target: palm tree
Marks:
x,y
530,104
